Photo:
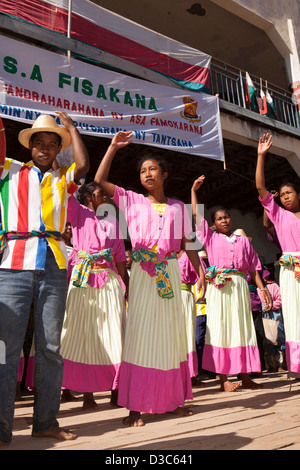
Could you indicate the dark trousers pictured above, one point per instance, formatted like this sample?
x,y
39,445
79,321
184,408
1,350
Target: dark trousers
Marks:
x,y
48,290
200,339
260,336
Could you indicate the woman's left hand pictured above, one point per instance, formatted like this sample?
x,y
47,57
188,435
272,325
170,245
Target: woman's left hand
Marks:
x,y
201,287
267,299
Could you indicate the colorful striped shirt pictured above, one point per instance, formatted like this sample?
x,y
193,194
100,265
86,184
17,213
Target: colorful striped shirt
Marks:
x,y
32,201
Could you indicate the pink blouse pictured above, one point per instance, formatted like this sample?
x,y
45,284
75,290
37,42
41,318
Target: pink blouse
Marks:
x,y
222,252
188,273
286,224
91,234
148,228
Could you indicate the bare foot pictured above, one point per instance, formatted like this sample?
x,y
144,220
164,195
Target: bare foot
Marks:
x,y
89,402
182,411
133,420
248,383
56,432
228,386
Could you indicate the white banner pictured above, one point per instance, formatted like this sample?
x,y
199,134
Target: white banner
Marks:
x,y
35,81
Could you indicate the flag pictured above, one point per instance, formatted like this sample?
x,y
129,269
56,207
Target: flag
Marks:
x,y
270,106
262,103
250,91
109,32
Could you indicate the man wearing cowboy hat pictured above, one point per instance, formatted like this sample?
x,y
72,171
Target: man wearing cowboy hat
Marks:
x,y
34,200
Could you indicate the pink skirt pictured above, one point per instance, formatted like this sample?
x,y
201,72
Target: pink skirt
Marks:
x,y
230,342
92,336
21,368
154,391
86,378
154,374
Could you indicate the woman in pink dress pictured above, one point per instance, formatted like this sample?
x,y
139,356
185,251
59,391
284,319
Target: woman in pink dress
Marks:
x,y
274,353
286,221
154,376
94,323
230,343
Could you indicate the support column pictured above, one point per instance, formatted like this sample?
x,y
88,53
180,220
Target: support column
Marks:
x,y
293,64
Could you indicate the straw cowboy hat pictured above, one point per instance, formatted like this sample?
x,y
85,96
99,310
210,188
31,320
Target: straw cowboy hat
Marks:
x,y
45,123
240,231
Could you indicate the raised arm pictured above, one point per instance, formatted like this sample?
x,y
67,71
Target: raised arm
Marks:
x,y
81,155
120,140
264,145
194,259
196,185
268,226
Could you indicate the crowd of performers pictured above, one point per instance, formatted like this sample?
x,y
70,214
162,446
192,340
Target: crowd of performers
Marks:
x,y
146,333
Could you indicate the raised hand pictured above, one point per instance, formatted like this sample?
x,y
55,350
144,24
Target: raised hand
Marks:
x,y
198,183
274,193
65,119
264,144
121,139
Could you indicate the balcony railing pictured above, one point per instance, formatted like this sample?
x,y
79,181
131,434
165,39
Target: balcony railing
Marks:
x,y
230,84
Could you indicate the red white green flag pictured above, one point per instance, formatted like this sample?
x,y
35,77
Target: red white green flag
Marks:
x,y
265,105
270,106
250,92
262,103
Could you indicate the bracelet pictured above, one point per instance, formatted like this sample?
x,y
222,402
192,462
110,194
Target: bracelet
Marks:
x,y
262,289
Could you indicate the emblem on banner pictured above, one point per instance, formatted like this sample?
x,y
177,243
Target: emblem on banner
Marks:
x,y
190,108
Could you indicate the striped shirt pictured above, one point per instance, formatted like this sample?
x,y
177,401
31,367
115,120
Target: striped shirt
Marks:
x,y
32,201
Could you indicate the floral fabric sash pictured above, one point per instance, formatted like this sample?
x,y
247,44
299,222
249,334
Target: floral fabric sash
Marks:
x,y
185,286
288,260
163,283
219,276
18,235
81,272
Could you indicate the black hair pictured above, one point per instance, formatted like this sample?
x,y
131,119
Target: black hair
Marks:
x,y
162,163
213,214
86,188
295,186
59,140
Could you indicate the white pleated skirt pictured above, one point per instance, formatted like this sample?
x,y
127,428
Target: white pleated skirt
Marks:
x,y
230,344
154,374
290,296
93,335
189,312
